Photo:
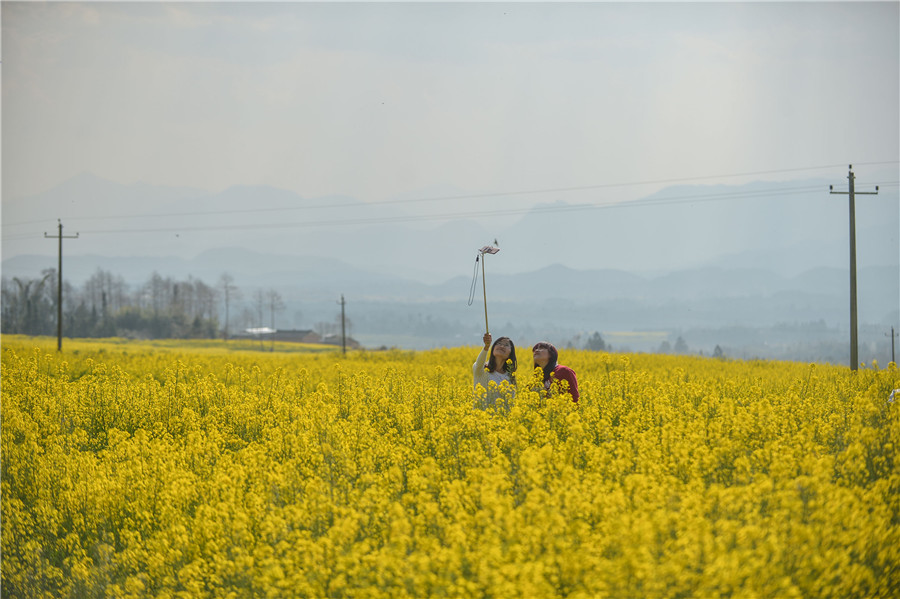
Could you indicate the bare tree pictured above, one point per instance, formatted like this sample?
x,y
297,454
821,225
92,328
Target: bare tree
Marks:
x,y
331,329
259,307
275,304
206,300
230,292
325,328
247,318
26,305
105,290
157,288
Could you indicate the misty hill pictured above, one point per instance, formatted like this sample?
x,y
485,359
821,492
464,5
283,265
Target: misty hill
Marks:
x,y
312,277
321,278
754,255
784,227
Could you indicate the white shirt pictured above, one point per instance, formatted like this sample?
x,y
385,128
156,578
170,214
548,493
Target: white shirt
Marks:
x,y
483,377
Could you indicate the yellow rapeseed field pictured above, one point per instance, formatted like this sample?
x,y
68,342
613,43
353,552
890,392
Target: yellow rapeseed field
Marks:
x,y
138,470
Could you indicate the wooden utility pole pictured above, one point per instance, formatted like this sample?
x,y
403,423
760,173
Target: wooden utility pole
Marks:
x,y
893,336
854,339
343,327
59,286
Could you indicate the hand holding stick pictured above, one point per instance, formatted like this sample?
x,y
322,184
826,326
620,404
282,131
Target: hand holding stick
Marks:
x,y
488,249
484,289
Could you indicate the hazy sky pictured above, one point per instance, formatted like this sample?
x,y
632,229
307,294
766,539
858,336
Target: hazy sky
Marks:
x,y
374,100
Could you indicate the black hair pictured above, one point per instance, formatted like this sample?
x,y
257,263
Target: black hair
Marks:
x,y
510,368
552,362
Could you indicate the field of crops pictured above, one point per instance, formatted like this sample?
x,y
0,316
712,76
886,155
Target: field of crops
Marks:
x,y
135,470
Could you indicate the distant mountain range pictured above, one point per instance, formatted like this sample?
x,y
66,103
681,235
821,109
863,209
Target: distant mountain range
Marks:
x,y
319,279
785,227
753,255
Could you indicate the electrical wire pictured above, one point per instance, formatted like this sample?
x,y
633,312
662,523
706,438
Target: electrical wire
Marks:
x,y
471,214
447,198
693,198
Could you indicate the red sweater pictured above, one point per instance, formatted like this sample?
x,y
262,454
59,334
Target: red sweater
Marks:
x,y
564,373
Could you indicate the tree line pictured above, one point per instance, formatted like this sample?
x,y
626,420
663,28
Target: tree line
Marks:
x,y
106,306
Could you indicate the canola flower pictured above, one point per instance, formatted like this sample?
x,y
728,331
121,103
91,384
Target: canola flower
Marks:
x,y
133,471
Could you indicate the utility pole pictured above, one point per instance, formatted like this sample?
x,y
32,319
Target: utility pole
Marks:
x,y
893,336
343,327
854,339
59,285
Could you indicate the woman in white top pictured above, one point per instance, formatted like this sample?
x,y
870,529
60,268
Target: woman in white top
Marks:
x,y
500,368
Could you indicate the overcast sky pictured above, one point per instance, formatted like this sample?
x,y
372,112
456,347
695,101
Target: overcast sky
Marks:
x,y
374,100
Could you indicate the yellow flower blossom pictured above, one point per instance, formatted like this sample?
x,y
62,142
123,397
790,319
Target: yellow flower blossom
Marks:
x,y
136,470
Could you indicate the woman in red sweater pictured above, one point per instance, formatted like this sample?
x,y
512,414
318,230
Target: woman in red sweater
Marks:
x,y
557,378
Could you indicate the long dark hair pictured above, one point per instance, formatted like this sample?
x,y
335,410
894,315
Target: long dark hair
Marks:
x,y
492,365
554,357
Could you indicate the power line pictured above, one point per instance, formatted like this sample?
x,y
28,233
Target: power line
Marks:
x,y
452,197
471,214
429,217
59,287
479,214
854,343
18,236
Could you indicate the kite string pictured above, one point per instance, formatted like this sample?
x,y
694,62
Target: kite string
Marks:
x,y
474,281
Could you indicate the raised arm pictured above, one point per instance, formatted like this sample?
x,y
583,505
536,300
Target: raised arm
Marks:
x,y
478,374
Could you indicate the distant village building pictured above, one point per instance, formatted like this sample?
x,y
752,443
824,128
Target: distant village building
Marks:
x,y
289,335
305,336
295,336
335,339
